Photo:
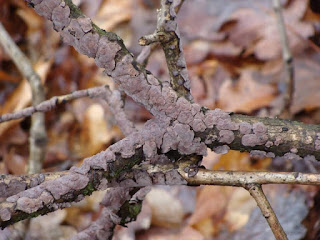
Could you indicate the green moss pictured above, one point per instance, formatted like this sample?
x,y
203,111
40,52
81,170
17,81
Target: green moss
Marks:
x,y
75,12
124,164
129,212
88,190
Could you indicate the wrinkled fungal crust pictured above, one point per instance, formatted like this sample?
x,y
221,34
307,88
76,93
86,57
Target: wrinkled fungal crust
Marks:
x,y
179,126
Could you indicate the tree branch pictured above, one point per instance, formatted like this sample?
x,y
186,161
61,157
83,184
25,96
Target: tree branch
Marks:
x,y
112,98
167,33
257,193
38,136
179,128
43,198
121,205
287,59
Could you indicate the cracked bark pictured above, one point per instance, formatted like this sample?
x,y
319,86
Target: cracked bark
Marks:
x,y
168,35
179,127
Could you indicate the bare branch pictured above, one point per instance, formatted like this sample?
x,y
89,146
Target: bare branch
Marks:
x,y
145,53
287,59
239,179
38,136
267,211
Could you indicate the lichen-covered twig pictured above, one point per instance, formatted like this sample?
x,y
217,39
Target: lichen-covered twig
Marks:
x,y
287,59
38,136
190,127
116,104
53,102
179,127
121,206
71,186
113,98
167,33
117,207
257,193
103,170
11,184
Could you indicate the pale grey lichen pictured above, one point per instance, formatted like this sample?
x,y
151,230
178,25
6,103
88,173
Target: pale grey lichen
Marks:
x,y
271,155
292,156
258,153
150,149
221,149
278,141
310,158
252,140
317,142
245,128
85,24
269,144
5,214
198,125
46,7
88,44
259,128
106,53
60,17
294,150
226,136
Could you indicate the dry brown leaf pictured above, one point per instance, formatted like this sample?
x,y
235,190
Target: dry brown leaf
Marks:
x,y
94,133
246,95
290,208
112,13
307,84
211,204
238,161
77,215
49,227
21,96
256,29
158,233
15,163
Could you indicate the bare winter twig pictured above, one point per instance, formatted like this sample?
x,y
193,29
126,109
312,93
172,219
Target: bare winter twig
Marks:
x,y
257,193
38,136
287,59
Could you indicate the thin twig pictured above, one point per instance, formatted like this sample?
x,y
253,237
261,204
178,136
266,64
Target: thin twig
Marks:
x,y
38,135
134,176
46,105
145,53
112,98
257,193
287,59
167,33
11,184
238,178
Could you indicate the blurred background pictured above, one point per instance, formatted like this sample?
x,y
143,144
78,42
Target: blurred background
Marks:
x,y
234,58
